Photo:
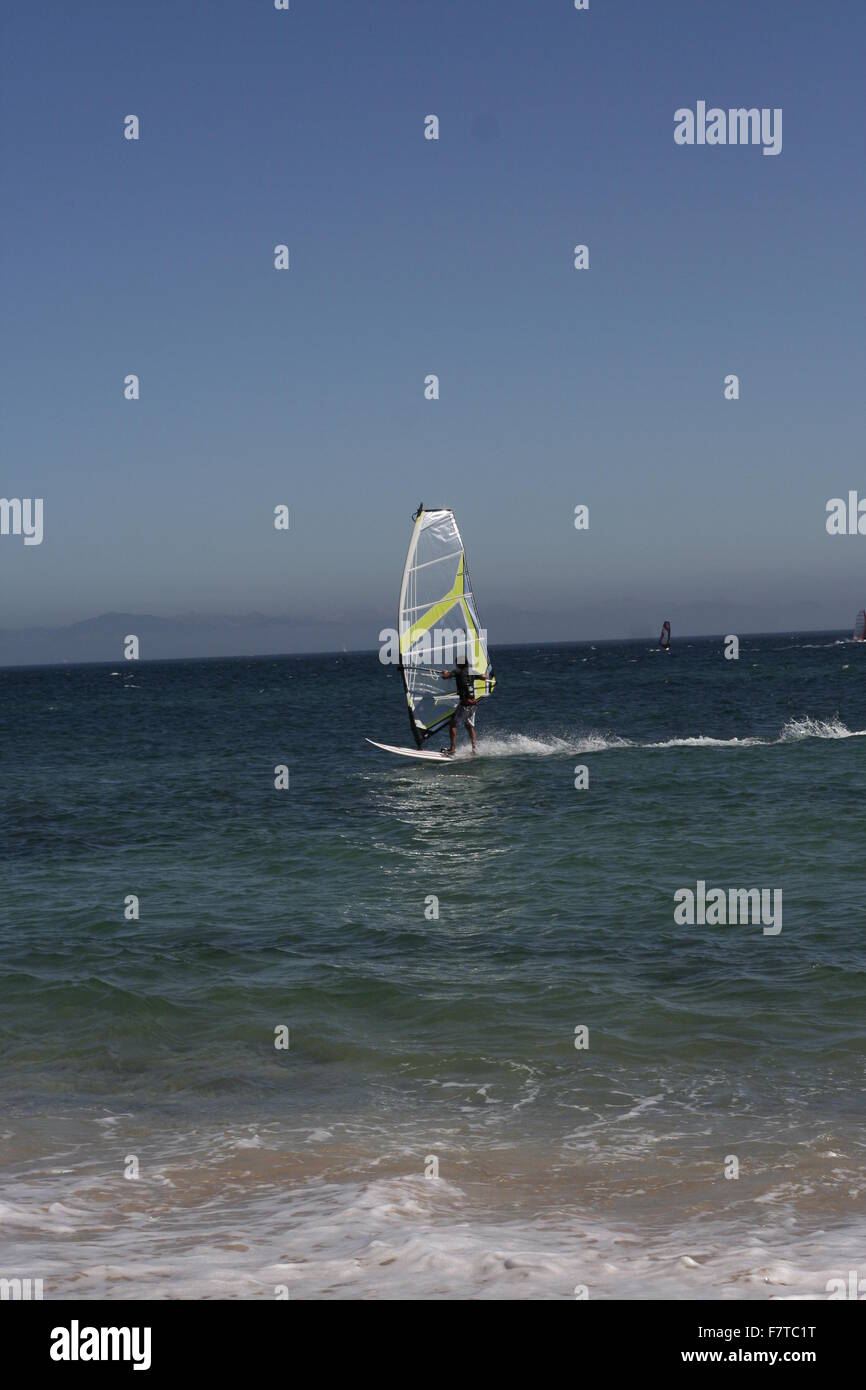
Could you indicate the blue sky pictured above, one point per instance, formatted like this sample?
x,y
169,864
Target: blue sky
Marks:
x,y
454,257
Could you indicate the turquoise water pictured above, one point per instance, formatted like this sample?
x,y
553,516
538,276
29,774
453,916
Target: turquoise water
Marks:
x,y
413,1036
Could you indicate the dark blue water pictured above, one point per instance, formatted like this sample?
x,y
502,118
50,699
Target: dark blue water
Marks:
x,y
431,937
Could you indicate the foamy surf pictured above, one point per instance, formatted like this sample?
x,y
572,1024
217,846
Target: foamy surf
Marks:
x,y
411,1237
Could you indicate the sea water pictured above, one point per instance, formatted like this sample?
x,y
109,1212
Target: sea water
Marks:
x,y
413,1030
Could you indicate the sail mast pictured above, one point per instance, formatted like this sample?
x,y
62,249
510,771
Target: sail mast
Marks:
x,y
404,594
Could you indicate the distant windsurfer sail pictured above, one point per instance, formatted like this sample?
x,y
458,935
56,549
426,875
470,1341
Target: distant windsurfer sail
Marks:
x,y
860,626
440,637
665,636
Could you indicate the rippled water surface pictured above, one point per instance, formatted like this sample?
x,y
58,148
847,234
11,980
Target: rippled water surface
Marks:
x,y
415,1038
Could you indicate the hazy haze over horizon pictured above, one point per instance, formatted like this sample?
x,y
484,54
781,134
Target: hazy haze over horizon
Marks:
x,y
193,637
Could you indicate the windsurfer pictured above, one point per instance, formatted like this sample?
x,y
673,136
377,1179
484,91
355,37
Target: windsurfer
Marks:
x,y
465,712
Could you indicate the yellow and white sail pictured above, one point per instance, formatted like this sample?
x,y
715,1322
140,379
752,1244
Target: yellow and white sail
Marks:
x,y
438,622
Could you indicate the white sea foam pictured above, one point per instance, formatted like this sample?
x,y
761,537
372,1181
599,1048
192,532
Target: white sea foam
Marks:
x,y
528,745
525,745
817,728
51,1217
411,1237
702,741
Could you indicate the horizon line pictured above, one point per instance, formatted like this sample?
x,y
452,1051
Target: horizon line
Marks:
x,y
367,651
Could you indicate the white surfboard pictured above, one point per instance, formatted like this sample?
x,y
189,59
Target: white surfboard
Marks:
x,y
427,754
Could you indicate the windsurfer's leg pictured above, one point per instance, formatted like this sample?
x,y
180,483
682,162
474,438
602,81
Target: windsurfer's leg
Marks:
x,y
454,733
470,726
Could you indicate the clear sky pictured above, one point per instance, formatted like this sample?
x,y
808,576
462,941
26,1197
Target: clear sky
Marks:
x,y
454,257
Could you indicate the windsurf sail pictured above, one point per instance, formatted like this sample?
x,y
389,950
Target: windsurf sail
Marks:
x,y
860,626
665,635
438,623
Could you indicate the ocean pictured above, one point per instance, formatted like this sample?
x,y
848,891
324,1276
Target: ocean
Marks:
x,y
507,1070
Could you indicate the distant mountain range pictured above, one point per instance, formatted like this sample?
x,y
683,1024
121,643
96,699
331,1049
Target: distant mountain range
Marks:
x,y
256,634
192,635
